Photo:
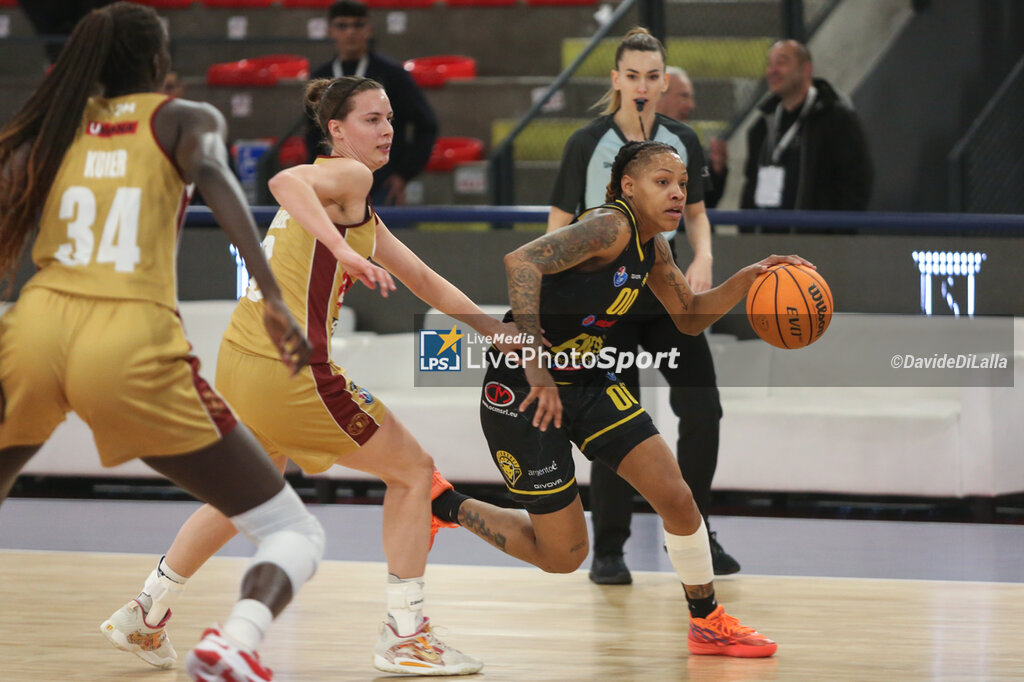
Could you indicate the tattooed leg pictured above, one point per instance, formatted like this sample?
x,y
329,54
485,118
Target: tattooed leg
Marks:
x,y
555,542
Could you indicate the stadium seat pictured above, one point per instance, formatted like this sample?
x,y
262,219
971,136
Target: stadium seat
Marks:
x,y
314,4
448,152
399,4
237,3
161,4
561,2
432,72
261,71
481,3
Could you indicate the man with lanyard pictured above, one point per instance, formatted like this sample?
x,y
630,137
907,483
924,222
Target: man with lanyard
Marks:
x,y
414,122
808,150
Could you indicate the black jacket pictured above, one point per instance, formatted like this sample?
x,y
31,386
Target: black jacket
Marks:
x,y
835,169
414,122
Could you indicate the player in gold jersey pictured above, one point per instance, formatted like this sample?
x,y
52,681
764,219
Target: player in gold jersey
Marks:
x,y
318,245
106,166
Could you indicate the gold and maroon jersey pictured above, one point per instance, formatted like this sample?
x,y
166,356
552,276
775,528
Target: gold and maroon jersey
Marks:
x,y
110,225
312,283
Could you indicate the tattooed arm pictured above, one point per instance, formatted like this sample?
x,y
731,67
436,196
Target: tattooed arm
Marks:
x,y
596,239
693,313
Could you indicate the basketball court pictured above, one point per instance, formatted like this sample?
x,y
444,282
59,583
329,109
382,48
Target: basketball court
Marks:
x,y
846,600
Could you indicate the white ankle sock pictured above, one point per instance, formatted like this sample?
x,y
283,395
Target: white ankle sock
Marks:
x,y
247,624
160,591
405,604
691,556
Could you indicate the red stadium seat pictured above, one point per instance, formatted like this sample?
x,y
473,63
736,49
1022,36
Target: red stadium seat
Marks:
x,y
315,4
432,72
561,2
399,4
237,3
449,152
165,4
292,151
481,3
262,71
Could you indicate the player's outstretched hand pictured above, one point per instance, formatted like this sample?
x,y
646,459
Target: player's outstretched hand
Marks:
x,y
366,272
291,343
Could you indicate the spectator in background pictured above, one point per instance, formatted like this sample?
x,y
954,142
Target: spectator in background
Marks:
x,y
414,122
808,150
678,102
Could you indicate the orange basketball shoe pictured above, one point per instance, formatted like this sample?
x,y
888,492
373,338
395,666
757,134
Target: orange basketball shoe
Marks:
x,y
722,635
438,486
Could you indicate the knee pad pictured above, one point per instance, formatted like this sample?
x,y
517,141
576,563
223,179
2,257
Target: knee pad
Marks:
x,y
286,535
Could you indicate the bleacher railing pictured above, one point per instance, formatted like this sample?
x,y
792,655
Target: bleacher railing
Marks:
x,y
986,167
962,224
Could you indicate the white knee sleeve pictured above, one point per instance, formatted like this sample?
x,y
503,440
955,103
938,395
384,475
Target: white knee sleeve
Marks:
x,y
691,556
286,535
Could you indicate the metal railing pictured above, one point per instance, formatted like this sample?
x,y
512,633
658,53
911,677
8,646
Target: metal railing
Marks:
x,y
986,167
800,221
502,160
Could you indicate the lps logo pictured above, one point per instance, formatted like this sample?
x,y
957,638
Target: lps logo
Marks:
x,y
498,395
440,351
620,277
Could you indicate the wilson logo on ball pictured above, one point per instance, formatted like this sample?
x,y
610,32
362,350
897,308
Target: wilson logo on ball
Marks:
x,y
790,306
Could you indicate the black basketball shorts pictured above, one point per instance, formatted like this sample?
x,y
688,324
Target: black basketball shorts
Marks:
x,y
599,415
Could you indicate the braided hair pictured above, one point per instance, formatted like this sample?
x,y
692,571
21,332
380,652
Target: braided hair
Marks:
x,y
632,156
110,51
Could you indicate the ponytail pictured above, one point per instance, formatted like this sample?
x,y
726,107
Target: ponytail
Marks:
x,y
328,99
638,39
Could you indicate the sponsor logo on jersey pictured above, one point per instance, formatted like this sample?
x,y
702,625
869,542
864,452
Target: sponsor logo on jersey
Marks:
x,y
550,469
510,468
620,277
102,129
546,486
362,393
357,425
588,320
604,324
498,394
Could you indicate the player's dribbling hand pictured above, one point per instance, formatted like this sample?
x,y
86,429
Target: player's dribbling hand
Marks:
x,y
289,340
765,263
544,392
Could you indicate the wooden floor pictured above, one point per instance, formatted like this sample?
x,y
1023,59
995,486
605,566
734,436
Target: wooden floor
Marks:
x,y
526,625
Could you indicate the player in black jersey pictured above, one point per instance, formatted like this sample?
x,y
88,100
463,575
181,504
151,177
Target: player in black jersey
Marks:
x,y
638,82
561,285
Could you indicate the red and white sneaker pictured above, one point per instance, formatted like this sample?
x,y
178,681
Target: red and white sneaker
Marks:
x,y
438,486
215,659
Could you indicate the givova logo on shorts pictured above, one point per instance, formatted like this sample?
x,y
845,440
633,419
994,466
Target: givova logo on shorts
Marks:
x,y
440,351
510,468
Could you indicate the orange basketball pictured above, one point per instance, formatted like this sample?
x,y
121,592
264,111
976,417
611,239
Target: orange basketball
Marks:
x,y
789,306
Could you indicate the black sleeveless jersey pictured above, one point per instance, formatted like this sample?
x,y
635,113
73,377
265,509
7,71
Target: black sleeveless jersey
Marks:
x,y
578,308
